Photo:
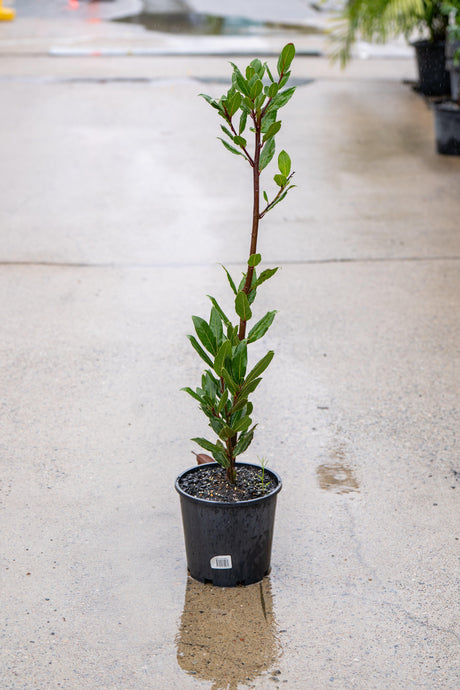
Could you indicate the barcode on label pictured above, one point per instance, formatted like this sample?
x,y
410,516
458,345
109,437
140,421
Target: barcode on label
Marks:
x,y
221,562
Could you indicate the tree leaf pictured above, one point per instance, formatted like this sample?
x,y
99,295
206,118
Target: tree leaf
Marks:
x,y
244,441
261,327
267,154
205,334
283,97
240,361
210,100
191,392
230,148
254,260
265,275
280,180
285,58
243,120
260,367
242,307
215,324
225,351
200,351
229,277
224,318
229,381
272,130
240,141
249,387
284,163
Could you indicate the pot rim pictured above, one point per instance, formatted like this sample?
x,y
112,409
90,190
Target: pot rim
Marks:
x,y
252,501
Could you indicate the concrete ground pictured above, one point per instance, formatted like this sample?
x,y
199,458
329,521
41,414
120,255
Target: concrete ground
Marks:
x,y
116,206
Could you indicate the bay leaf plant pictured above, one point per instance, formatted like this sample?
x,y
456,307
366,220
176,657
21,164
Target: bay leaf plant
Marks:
x,y
250,111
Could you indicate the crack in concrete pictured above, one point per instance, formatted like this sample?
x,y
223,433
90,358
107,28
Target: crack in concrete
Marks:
x,y
198,264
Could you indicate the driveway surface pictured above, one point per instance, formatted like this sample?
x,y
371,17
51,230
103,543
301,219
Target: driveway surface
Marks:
x,y
117,204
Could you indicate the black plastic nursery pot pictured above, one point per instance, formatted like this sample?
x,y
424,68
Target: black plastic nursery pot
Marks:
x,y
228,544
434,79
447,128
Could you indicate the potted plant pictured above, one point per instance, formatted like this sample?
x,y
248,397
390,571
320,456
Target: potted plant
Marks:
x,y
228,507
380,20
447,112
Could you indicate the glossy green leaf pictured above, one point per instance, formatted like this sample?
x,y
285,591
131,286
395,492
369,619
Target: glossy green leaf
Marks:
x,y
242,424
229,381
242,307
244,442
272,130
284,163
240,361
260,367
222,401
225,351
229,277
280,180
265,275
230,148
261,327
240,141
224,318
200,350
254,260
286,57
210,100
215,323
267,154
191,392
205,334
249,387
283,97
243,120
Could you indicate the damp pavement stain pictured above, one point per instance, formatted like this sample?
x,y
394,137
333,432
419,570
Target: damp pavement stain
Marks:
x,y
337,478
228,635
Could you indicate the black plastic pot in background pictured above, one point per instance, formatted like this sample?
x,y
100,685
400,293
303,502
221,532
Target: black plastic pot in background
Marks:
x,y
228,544
447,128
453,67
434,79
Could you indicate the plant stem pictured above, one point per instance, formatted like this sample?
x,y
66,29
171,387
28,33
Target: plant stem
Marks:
x,y
255,213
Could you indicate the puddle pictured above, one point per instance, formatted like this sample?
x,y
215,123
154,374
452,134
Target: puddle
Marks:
x,y
337,478
200,24
227,635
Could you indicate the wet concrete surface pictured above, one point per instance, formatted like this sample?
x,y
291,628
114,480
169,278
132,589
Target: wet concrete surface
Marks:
x,y
114,215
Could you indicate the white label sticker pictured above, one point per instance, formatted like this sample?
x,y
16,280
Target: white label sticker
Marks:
x,y
221,562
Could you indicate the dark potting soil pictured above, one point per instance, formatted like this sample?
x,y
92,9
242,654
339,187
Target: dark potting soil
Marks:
x,y
211,484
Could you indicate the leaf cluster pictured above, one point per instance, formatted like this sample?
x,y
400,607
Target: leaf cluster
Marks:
x,y
251,104
226,384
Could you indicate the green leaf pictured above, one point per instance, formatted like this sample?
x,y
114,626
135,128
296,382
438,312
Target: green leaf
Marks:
x,y
284,163
230,148
244,442
267,154
280,180
207,445
249,387
272,130
210,100
266,197
205,334
272,90
242,424
243,119
285,58
226,432
265,275
256,89
270,76
229,381
225,351
283,97
192,393
224,318
227,132
242,307
261,327
239,405
240,361
200,351
215,324
240,141
260,367
254,260
268,119
222,401
232,284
